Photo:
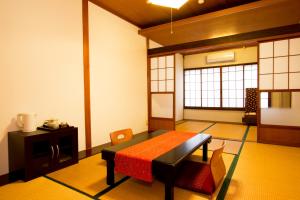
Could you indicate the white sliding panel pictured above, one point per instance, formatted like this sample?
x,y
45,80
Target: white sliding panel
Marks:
x,y
281,48
266,82
162,105
295,46
266,50
281,81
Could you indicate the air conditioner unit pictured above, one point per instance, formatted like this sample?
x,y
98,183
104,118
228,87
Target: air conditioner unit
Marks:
x,y
226,56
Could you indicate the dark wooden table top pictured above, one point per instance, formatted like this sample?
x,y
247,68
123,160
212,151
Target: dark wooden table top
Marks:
x,y
172,157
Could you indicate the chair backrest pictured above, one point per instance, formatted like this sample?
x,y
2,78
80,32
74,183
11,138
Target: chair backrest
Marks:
x,y
217,165
120,136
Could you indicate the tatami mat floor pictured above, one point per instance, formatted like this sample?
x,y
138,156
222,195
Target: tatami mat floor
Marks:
x,y
262,172
38,189
266,172
89,175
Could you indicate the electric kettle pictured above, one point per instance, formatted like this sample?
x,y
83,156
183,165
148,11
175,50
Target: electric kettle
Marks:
x,y
27,122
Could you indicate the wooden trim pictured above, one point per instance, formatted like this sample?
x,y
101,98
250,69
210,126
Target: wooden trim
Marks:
x,y
280,126
220,47
281,90
197,120
214,108
101,5
149,96
273,76
228,41
4,179
280,135
86,68
174,92
161,118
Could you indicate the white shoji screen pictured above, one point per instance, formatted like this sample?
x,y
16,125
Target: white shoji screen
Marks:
x,y
162,73
279,64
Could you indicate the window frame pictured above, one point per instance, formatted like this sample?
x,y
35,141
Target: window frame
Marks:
x,y
221,87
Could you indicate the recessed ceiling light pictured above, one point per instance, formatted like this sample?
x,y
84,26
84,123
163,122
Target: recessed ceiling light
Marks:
x,y
169,3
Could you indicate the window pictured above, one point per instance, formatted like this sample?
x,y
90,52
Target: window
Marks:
x,y
219,87
232,81
264,100
211,87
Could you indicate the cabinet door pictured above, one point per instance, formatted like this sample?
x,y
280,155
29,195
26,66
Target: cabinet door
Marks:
x,y
39,156
66,147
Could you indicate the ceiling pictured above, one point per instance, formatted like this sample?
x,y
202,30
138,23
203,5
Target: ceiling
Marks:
x,y
197,22
144,15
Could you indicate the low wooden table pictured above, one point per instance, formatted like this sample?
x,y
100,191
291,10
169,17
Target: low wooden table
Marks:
x,y
164,167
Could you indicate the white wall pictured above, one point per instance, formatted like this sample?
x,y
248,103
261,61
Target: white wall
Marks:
x,y
153,44
242,56
41,66
283,116
118,59
179,86
214,115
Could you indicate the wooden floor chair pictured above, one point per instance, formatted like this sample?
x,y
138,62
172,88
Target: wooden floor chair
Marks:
x,y
120,136
203,177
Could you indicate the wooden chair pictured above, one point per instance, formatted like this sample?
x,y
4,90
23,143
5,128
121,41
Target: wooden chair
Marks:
x,y
203,177
120,136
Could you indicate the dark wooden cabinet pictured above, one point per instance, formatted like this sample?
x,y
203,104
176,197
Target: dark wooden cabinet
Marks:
x,y
40,152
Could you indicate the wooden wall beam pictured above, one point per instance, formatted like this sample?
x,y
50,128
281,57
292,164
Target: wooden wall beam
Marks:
x,y
243,39
86,73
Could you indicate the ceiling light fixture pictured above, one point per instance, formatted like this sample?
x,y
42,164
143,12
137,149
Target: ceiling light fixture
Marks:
x,y
169,3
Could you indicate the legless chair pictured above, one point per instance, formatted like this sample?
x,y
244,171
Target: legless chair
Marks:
x,y
120,136
203,177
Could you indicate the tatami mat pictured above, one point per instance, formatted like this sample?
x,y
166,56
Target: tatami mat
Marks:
x,y
252,134
38,189
89,175
266,172
193,126
227,131
137,190
231,146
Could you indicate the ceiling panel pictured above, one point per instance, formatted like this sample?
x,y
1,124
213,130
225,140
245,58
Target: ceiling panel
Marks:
x,y
242,19
144,15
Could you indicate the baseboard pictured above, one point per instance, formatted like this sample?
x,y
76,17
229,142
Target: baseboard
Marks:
x,y
210,121
279,135
4,179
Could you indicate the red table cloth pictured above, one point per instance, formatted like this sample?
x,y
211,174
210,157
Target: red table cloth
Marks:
x,y
136,161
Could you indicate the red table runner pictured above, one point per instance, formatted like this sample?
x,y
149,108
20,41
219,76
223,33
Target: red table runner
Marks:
x,y
136,161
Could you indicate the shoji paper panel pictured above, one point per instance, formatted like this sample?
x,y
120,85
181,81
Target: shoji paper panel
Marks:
x,y
294,46
294,80
279,64
281,81
266,82
295,63
162,105
162,74
281,48
266,50
266,66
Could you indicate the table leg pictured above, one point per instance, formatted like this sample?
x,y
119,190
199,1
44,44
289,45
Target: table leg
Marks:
x,y
110,173
169,191
204,152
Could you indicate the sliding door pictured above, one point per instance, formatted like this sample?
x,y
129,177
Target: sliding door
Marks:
x,y
161,92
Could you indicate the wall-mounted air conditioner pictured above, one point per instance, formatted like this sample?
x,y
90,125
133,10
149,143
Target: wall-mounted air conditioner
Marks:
x,y
226,56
